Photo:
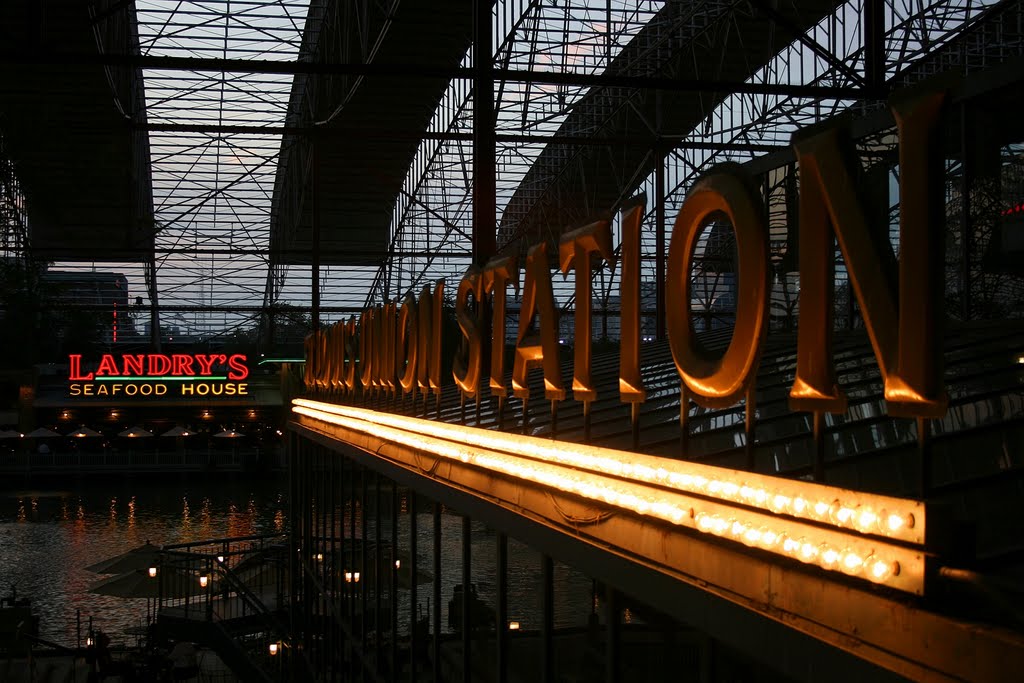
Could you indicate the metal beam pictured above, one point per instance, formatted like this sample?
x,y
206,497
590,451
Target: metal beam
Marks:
x,y
322,132
405,70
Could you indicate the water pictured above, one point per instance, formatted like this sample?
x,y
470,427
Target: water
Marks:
x,y
49,535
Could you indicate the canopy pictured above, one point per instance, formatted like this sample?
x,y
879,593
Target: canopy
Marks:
x,y
42,433
178,431
169,582
135,432
228,434
10,434
84,432
142,557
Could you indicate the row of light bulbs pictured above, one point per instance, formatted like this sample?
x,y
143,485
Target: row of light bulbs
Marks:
x,y
819,504
803,542
849,560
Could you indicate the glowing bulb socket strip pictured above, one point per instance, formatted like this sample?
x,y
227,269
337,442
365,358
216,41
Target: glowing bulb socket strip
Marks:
x,y
896,518
631,481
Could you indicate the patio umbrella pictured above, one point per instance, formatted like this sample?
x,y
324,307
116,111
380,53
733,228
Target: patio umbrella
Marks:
x,y
42,433
178,431
142,557
10,434
228,434
84,432
169,582
135,432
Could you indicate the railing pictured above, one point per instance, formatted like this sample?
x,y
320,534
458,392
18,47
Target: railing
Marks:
x,y
155,460
237,588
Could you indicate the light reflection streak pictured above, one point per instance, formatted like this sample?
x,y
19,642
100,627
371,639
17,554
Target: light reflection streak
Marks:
x,y
186,517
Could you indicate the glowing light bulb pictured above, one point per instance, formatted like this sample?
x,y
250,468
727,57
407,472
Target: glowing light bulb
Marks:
x,y
769,539
867,520
152,572
513,626
808,551
203,581
844,514
799,505
852,562
881,570
896,522
273,649
721,526
829,557
398,564
821,508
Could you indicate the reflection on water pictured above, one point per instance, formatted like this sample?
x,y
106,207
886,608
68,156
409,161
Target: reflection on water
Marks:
x,y
48,537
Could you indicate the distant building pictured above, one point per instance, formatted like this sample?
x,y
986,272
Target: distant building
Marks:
x,y
104,293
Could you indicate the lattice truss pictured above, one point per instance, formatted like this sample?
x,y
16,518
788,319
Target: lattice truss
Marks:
x,y
212,191
434,213
213,181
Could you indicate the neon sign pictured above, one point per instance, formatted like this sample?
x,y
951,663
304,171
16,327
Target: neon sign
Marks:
x,y
158,374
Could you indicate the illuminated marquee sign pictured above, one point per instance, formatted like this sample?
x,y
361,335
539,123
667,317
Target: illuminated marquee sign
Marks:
x,y
177,375
396,346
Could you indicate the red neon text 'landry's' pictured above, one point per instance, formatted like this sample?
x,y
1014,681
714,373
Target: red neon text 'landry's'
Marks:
x,y
160,365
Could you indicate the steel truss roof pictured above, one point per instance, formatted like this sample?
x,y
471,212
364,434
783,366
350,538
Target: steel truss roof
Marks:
x,y
590,100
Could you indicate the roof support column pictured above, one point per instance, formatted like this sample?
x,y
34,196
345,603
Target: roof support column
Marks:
x,y
661,155
315,265
874,43
484,143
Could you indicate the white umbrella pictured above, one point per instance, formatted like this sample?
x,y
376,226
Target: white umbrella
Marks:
x,y
169,582
84,432
10,434
135,432
228,434
178,431
141,557
42,433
